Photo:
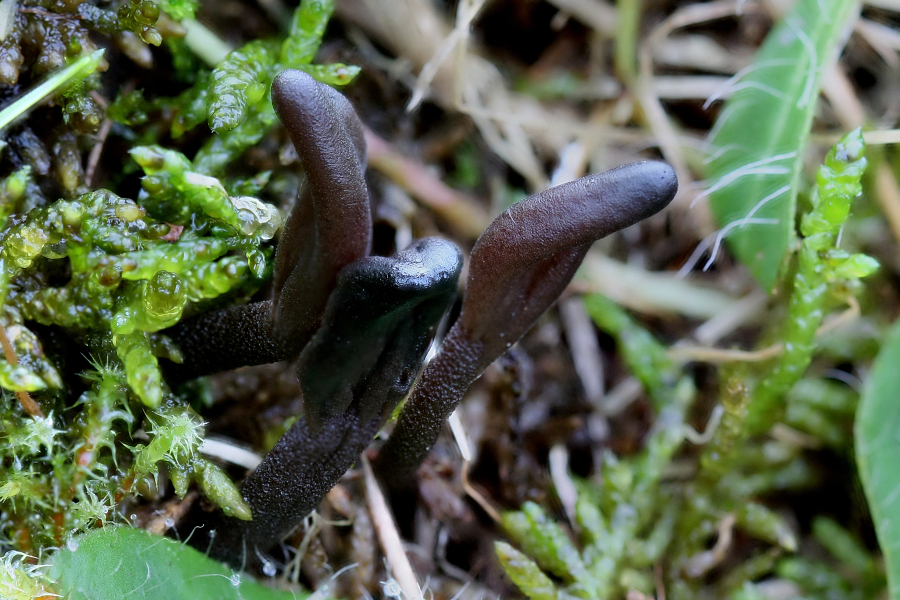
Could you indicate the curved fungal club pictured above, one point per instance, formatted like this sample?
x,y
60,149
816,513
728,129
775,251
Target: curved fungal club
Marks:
x,y
359,325
518,268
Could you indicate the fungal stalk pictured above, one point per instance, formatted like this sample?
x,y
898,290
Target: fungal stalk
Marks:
x,y
380,321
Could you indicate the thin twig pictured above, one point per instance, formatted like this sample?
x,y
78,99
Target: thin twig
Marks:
x,y
388,536
25,399
94,157
722,355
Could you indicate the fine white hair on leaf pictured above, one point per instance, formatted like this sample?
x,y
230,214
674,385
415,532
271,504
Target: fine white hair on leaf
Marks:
x,y
143,583
695,256
724,116
762,87
323,590
731,84
810,84
763,166
716,237
730,227
758,206
722,150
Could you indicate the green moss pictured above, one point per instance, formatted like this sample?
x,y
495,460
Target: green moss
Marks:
x,y
110,273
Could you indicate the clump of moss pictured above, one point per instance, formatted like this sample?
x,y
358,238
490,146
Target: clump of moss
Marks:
x,y
132,268
99,275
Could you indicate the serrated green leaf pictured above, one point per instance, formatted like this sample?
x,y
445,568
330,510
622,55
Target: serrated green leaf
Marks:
x,y
877,434
115,563
756,146
546,542
527,576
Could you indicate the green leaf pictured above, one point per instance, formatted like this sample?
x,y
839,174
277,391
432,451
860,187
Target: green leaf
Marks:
x,y
877,448
141,367
115,563
550,546
220,489
335,74
527,576
18,378
843,545
756,146
307,28
238,82
180,9
647,359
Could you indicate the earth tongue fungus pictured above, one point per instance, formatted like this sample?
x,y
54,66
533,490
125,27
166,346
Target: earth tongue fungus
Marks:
x,y
359,326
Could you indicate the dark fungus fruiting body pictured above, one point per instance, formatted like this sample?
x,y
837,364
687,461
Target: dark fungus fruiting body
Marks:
x,y
359,326
328,228
379,323
518,268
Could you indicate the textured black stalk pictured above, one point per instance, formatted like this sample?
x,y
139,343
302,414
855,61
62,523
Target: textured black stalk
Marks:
x,y
223,340
379,323
289,484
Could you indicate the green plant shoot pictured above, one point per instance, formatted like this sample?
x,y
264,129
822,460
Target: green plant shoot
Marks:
x,y
819,265
77,71
756,146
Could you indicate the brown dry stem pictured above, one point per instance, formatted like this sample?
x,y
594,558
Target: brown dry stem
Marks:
x,y
25,399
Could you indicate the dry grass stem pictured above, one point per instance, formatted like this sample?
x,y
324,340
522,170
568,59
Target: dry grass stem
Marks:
x,y
648,292
462,213
558,461
888,194
389,537
689,353
477,496
96,151
596,14
583,347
